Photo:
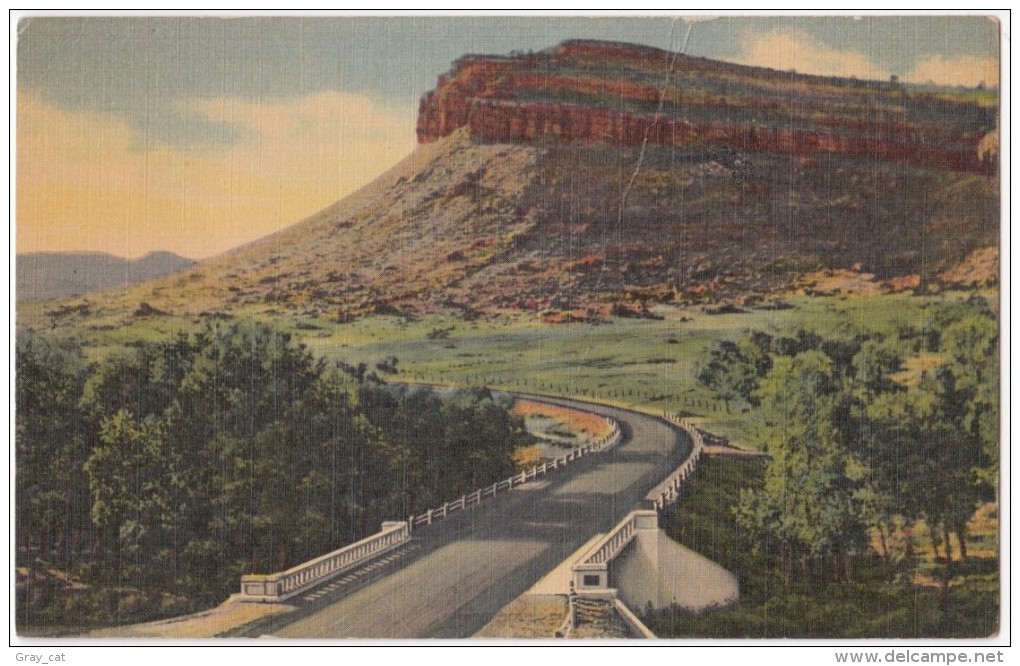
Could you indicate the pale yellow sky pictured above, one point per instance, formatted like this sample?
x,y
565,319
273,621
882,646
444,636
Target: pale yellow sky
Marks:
x,y
87,180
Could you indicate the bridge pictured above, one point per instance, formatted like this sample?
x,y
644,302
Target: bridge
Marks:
x,y
450,579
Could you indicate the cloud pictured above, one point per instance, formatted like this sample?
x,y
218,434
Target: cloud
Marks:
x,y
797,50
956,71
90,181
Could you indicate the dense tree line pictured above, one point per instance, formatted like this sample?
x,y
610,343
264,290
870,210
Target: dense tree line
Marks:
x,y
437,433
180,465
857,447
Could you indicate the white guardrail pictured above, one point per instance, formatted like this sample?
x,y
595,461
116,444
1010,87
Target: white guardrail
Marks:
x,y
278,587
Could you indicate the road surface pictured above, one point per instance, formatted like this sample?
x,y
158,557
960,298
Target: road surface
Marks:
x,y
463,570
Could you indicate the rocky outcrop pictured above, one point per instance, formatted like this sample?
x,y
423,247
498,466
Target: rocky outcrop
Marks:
x,y
625,95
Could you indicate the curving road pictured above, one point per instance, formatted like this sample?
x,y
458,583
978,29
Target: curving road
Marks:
x,y
465,569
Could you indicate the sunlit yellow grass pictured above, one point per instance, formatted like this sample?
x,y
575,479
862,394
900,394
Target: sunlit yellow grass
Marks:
x,y
581,423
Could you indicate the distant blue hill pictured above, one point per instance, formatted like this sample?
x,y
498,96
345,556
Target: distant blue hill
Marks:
x,y
49,275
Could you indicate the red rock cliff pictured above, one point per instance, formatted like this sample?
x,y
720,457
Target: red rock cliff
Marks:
x,y
622,94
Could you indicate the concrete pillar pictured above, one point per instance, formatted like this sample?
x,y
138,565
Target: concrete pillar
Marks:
x,y
646,520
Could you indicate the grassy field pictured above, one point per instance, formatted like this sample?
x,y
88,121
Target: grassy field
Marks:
x,y
647,364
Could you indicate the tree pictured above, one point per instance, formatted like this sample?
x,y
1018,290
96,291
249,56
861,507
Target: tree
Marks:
x,y
51,494
972,346
132,478
895,463
873,366
921,461
878,505
442,445
852,446
734,368
807,504
203,457
480,437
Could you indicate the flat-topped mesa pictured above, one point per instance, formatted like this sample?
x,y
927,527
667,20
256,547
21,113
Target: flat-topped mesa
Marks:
x,y
623,95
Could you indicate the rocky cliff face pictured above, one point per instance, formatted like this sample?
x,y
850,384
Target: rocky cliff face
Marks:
x,y
535,191
625,95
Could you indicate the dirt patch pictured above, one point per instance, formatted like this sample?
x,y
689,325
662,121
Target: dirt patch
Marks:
x,y
208,624
529,616
526,457
49,576
839,281
980,268
721,446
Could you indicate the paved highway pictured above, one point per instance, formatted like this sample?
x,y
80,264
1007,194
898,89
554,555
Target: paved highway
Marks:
x,y
463,570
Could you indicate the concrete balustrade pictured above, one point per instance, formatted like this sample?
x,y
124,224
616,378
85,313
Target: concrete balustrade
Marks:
x,y
591,572
278,587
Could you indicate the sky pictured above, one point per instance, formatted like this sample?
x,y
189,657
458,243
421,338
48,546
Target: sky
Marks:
x,y
197,134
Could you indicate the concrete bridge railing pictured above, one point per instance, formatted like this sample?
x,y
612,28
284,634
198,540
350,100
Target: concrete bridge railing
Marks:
x,y
594,575
668,491
591,572
277,587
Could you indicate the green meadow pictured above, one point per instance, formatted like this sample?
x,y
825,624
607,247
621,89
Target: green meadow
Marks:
x,y
647,364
